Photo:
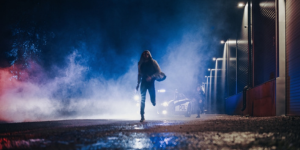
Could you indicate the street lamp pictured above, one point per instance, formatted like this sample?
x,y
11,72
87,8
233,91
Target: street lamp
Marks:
x,y
210,76
229,58
206,89
216,78
240,5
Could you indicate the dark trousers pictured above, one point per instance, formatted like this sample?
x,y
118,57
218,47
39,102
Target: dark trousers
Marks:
x,y
151,88
199,108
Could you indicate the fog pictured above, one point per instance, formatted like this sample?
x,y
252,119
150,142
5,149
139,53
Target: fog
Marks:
x,y
81,62
71,95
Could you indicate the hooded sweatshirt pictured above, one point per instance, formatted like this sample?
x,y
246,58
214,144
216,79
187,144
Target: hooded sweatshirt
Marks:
x,y
149,68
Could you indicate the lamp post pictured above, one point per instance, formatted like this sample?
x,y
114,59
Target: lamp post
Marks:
x,y
227,58
210,75
206,91
215,81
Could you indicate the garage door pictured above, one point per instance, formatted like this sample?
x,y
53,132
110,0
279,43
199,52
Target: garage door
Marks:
x,y
293,56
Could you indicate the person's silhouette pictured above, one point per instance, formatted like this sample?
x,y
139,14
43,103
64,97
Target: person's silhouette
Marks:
x,y
148,72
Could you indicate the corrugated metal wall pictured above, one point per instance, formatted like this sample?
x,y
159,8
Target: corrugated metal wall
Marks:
x,y
293,56
242,65
242,53
231,69
264,47
261,100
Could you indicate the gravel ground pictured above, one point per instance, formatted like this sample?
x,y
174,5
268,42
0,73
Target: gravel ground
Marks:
x,y
208,132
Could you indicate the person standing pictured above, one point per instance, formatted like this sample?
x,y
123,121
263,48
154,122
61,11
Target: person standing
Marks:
x,y
199,97
148,72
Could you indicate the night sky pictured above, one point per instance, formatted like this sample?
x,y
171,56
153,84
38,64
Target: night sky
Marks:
x,y
102,40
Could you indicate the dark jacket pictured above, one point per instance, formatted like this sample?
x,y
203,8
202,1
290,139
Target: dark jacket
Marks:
x,y
198,95
148,68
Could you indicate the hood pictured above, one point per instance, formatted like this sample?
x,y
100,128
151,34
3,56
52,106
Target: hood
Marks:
x,y
142,58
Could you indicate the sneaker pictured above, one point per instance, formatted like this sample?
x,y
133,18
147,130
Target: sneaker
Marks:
x,y
142,118
198,116
153,103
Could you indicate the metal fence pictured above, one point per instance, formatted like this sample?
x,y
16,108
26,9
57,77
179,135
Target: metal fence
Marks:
x,y
264,44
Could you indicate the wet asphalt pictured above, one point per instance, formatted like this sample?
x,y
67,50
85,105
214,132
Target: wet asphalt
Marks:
x,y
176,132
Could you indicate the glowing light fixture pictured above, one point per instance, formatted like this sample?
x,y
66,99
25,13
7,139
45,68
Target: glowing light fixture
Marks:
x,y
208,69
214,58
222,42
241,5
205,76
161,91
164,112
136,97
165,104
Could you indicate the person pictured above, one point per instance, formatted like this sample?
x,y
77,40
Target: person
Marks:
x,y
148,72
199,98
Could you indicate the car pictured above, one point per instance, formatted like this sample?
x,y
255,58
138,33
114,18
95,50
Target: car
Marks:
x,y
176,105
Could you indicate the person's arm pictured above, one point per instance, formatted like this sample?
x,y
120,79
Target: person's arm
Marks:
x,y
139,78
157,70
156,66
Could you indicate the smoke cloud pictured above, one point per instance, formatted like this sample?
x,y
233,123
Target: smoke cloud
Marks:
x,y
80,61
71,95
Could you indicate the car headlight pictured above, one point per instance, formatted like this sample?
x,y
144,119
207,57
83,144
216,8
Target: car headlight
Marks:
x,y
164,112
165,104
136,97
161,91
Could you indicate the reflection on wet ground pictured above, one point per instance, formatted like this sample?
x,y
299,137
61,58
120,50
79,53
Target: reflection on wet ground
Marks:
x,y
136,141
8,144
210,140
210,132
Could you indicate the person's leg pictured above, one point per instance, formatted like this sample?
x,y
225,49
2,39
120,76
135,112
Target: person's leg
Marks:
x,y
143,90
198,109
152,93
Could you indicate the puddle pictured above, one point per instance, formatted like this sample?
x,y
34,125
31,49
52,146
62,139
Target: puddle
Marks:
x,y
205,140
135,141
138,127
9,144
